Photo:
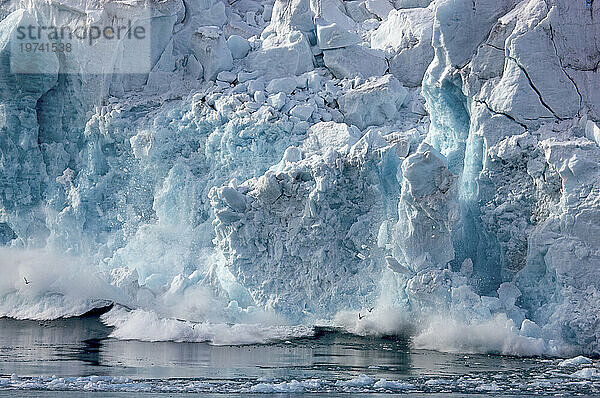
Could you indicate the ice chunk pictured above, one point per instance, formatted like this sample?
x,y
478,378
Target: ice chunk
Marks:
x,y
267,189
232,198
314,80
360,381
407,34
259,97
427,211
194,68
226,76
293,386
358,11
247,76
373,103
333,11
210,48
577,361
381,8
466,267
282,55
331,35
292,154
338,136
294,15
302,112
393,384
508,294
587,373
283,85
530,329
238,46
351,61
411,3
395,266
592,131
215,15
277,101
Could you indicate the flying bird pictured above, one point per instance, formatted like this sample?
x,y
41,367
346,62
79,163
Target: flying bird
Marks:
x,y
26,281
360,316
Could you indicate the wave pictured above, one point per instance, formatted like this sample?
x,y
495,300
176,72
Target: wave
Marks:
x,y
146,325
494,336
497,335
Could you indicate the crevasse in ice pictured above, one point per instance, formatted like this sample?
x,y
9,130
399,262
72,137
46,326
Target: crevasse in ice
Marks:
x,y
387,167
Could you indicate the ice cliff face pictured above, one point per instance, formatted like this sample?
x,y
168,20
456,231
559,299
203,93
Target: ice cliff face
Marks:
x,y
290,161
519,96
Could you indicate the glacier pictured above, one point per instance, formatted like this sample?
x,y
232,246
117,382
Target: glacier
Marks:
x,y
429,168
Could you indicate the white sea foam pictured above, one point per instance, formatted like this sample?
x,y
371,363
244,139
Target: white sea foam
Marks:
x,y
377,321
497,335
40,284
148,326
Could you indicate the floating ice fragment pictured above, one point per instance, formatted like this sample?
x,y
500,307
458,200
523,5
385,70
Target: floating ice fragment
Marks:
x,y
576,361
360,381
393,384
587,373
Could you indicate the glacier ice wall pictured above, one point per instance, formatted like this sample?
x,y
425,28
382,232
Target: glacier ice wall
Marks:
x,y
385,166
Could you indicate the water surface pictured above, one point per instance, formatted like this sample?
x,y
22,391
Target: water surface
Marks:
x,y
67,356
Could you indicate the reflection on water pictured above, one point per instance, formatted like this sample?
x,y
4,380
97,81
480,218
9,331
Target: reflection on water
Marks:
x,y
81,346
28,346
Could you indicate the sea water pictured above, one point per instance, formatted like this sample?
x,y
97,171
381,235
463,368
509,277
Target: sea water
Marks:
x,y
76,356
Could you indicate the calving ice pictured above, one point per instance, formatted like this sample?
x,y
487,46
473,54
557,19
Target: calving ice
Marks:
x,y
421,168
